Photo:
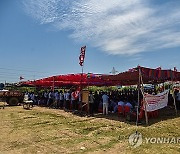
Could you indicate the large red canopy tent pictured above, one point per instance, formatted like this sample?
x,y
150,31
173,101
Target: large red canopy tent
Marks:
x,y
130,77
140,75
149,76
71,80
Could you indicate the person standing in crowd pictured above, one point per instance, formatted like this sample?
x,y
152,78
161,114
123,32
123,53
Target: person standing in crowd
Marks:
x,y
56,99
26,96
80,101
45,97
105,99
112,105
73,100
32,97
178,100
64,105
91,103
61,99
96,101
50,98
68,100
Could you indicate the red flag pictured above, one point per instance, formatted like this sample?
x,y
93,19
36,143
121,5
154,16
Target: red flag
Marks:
x,y
82,55
21,78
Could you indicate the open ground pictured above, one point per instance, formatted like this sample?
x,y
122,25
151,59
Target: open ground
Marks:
x,y
43,130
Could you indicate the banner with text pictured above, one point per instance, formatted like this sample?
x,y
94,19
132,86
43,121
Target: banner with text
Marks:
x,y
156,102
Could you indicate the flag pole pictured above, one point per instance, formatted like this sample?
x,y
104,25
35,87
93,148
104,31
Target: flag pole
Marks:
x,y
81,62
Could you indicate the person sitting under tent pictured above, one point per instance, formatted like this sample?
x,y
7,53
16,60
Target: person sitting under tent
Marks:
x,y
128,104
127,108
27,102
112,105
119,104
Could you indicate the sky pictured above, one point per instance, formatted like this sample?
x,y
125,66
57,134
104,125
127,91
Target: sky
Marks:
x,y
40,38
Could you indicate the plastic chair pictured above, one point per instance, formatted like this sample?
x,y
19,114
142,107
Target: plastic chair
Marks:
x,y
120,110
126,110
141,114
156,113
100,110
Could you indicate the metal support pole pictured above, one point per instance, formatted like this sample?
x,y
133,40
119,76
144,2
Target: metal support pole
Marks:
x,y
174,99
145,103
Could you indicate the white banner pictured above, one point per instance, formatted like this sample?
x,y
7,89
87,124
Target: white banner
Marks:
x,y
156,102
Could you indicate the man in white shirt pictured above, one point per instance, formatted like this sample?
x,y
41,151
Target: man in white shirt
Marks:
x,y
105,100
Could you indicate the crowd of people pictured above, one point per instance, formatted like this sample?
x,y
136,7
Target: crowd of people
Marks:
x,y
99,101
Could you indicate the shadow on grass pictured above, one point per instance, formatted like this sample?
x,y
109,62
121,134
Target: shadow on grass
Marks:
x,y
164,114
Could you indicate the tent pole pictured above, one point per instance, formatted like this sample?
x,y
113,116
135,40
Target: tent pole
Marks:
x,y
142,89
137,110
173,94
174,98
146,116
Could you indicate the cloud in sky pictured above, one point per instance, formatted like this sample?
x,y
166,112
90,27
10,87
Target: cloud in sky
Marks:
x,y
115,26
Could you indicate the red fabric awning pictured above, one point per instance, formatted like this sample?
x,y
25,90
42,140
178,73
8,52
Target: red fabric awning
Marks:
x,y
149,75
70,80
130,77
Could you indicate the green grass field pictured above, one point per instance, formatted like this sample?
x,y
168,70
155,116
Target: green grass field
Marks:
x,y
43,130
